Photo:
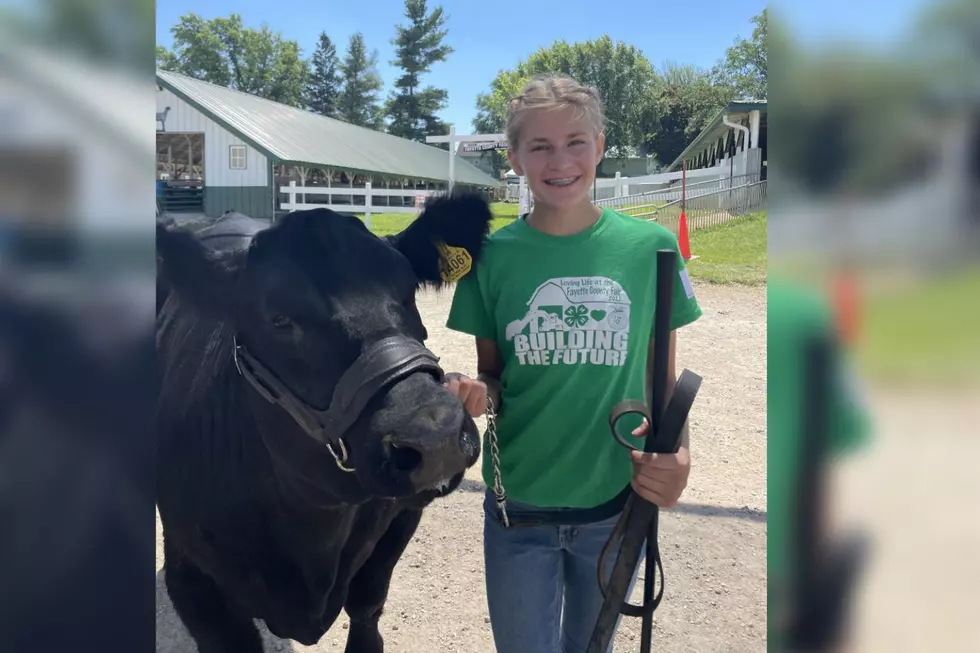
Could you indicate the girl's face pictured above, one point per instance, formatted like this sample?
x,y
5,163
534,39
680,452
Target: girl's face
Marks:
x,y
558,153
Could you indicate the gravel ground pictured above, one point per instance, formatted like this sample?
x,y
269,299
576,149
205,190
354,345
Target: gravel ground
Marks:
x,y
713,544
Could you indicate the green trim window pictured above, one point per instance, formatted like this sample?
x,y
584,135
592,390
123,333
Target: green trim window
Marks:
x,y
237,157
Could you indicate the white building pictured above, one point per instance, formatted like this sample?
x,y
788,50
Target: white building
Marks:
x,y
219,149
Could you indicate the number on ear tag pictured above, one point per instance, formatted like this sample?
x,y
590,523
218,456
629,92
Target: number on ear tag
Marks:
x,y
454,262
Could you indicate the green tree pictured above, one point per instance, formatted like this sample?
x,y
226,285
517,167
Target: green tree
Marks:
x,y
681,103
167,60
856,121
620,72
411,110
685,98
222,51
323,89
358,103
945,44
745,67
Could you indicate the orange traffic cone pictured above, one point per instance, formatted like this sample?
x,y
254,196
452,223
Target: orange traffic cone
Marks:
x,y
846,301
682,238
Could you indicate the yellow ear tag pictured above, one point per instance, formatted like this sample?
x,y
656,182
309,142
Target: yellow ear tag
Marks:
x,y
454,262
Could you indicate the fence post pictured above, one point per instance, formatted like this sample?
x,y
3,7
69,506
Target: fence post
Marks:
x,y
523,201
619,187
367,203
292,196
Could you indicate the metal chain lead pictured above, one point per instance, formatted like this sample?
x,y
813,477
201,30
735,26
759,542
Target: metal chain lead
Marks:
x,y
498,485
342,458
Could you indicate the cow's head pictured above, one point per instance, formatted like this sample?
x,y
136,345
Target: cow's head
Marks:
x,y
312,302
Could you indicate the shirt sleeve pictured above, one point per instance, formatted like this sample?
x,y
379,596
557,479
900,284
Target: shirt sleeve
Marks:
x,y
850,420
686,308
468,313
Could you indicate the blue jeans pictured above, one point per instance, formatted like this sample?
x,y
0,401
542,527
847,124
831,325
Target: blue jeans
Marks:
x,y
542,586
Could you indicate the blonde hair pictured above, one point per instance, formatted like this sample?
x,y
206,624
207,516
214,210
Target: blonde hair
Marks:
x,y
554,92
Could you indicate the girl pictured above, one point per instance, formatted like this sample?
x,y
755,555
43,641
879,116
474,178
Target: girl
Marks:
x,y
561,306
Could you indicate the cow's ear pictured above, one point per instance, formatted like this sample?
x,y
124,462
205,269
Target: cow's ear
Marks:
x,y
199,276
445,242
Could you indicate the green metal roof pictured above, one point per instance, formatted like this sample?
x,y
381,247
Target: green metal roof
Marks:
x,y
716,128
286,134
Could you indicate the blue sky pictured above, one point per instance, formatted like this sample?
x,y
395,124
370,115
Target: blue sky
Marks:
x,y
490,36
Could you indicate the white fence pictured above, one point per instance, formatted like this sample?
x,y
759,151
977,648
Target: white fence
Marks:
x,y
614,191
694,189
620,186
294,192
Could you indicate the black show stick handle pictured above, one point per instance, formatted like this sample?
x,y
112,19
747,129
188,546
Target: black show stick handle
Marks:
x,y
666,269
641,516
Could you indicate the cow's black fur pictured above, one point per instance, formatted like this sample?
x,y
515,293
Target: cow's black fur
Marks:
x,y
76,466
258,520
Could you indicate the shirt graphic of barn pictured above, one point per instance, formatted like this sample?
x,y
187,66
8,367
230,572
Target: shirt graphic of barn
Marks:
x,y
573,321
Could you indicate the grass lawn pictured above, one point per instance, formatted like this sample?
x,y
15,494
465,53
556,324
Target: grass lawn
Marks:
x,y
729,253
925,332
734,252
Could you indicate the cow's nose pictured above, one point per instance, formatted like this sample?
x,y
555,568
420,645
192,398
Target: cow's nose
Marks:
x,y
401,454
427,447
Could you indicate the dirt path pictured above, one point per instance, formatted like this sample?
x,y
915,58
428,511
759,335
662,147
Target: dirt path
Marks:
x,y
713,544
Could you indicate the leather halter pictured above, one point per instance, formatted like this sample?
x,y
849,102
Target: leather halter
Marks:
x,y
383,363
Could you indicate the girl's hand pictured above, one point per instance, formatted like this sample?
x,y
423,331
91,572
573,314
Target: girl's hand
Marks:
x,y
473,393
660,478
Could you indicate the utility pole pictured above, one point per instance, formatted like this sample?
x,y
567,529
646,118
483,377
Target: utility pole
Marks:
x,y
455,139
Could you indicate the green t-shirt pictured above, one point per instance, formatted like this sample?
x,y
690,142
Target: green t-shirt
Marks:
x,y
794,314
572,317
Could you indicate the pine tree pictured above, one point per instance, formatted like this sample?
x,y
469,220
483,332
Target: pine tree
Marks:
x,y
323,89
412,111
359,103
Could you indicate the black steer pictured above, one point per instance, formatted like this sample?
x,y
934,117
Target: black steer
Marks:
x,y
302,426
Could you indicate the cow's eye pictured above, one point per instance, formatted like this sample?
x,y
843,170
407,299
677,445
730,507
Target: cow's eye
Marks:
x,y
281,322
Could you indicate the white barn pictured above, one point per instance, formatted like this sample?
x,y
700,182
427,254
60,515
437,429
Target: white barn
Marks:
x,y
219,149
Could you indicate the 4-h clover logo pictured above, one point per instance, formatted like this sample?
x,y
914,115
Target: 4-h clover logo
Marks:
x,y
576,316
